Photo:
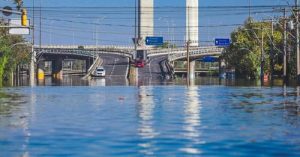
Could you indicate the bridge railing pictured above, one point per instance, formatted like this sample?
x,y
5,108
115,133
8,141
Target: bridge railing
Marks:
x,y
182,50
81,52
201,51
85,47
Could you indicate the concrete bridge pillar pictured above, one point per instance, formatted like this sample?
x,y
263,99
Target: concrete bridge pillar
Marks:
x,y
145,20
57,68
41,71
88,64
222,66
192,22
192,70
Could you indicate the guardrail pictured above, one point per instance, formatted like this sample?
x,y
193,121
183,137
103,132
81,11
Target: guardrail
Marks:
x,y
85,47
79,52
203,51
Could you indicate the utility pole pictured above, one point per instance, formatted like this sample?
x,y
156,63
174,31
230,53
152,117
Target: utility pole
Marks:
x,y
297,43
285,47
40,23
135,24
188,50
32,67
272,52
262,60
249,9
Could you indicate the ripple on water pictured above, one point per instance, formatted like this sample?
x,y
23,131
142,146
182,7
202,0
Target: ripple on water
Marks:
x,y
150,121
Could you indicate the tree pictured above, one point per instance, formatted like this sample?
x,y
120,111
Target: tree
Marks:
x,y
11,56
244,54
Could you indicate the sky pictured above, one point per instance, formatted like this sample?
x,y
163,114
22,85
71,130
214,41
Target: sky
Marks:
x,y
111,22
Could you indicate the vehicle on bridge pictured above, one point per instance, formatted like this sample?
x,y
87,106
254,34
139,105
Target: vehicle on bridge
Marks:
x,y
140,58
99,72
139,63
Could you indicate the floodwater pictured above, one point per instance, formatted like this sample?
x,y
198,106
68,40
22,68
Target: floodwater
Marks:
x,y
157,120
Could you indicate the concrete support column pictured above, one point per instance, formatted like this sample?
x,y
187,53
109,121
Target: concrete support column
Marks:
x,y
88,64
192,70
41,71
192,22
32,68
222,66
57,66
145,20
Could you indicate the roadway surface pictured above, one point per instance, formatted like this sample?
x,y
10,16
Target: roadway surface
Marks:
x,y
154,70
115,65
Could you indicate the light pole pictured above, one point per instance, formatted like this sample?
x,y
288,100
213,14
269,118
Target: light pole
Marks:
x,y
51,32
168,25
96,33
249,9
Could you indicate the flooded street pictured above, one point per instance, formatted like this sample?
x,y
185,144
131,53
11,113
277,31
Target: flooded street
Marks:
x,y
175,120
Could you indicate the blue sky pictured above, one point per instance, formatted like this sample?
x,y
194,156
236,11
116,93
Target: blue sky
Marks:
x,y
113,20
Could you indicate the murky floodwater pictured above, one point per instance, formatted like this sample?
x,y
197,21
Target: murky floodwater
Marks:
x,y
149,121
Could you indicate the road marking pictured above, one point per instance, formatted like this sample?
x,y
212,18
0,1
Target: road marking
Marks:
x,y
127,68
150,71
113,68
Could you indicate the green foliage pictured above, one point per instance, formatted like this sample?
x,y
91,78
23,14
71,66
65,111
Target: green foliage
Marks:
x,y
11,55
244,54
167,45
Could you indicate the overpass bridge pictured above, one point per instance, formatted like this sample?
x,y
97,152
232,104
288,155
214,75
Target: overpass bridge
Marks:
x,y
57,53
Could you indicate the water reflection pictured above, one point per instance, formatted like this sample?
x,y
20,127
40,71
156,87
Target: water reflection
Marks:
x,y
192,121
26,127
16,116
146,120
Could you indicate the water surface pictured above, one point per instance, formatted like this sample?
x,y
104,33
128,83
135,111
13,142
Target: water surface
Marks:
x,y
149,121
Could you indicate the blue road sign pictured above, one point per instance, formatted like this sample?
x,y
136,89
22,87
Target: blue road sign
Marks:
x,y
154,40
222,42
209,59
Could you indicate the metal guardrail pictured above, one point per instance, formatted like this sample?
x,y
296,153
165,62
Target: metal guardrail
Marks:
x,y
201,51
80,52
85,47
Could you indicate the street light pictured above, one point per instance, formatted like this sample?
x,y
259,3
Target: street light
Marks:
x,y
168,24
96,33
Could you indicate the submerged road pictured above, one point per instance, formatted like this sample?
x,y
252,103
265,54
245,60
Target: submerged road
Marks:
x,y
153,71
115,65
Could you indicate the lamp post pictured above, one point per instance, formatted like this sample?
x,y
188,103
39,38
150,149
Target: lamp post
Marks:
x,y
96,33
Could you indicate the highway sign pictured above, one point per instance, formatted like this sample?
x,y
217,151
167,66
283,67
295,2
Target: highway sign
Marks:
x,y
19,29
154,40
209,59
222,42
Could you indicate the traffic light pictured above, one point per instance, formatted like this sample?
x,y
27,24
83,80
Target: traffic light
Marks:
x,y
24,17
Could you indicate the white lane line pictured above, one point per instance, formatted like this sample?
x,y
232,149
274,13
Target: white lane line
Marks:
x,y
113,68
127,68
150,70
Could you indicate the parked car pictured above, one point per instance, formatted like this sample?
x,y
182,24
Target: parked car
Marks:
x,y
99,72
